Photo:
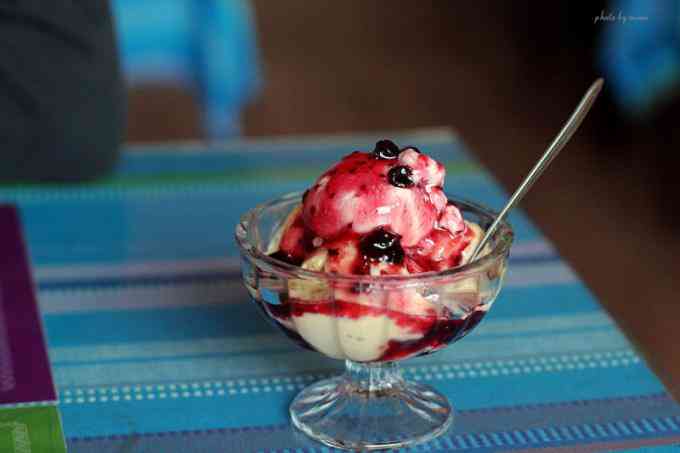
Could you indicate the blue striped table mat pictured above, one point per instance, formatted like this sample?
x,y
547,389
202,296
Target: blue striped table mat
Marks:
x,y
156,348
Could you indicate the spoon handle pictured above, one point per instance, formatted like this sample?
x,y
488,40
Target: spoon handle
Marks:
x,y
553,150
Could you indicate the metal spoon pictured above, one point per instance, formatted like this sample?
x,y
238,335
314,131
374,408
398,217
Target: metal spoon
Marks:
x,y
553,150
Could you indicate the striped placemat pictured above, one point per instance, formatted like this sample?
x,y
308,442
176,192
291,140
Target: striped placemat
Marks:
x,y
156,348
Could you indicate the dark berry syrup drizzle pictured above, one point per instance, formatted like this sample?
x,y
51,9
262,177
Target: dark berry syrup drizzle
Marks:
x,y
437,331
443,332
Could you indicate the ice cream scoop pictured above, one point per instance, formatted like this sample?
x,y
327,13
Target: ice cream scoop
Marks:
x,y
375,213
378,212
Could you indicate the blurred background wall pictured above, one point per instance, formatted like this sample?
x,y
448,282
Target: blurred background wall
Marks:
x,y
504,75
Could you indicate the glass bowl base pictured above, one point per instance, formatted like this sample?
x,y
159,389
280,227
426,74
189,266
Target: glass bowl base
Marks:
x,y
370,407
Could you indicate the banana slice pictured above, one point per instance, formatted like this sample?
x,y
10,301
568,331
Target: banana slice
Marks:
x,y
467,252
464,292
308,289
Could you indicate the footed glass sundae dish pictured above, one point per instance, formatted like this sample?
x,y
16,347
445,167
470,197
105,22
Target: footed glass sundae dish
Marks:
x,y
371,265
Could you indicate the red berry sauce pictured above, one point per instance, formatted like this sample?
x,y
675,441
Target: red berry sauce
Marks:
x,y
378,213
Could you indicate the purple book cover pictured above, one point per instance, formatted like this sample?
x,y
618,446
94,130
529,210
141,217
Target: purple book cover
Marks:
x,y
25,374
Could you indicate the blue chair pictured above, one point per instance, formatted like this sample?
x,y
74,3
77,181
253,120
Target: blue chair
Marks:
x,y
640,53
207,45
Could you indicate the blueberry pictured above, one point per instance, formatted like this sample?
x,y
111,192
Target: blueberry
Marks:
x,y
382,246
401,176
386,149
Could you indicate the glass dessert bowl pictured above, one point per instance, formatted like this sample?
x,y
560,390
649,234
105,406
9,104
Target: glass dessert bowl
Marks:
x,y
372,322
